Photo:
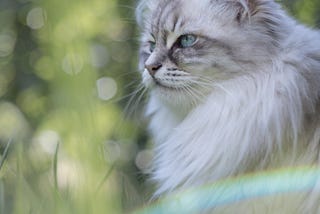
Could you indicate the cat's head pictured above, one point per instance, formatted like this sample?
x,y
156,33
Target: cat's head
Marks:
x,y
189,46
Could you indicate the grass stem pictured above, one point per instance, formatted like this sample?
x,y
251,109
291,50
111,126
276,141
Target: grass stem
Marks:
x,y
5,153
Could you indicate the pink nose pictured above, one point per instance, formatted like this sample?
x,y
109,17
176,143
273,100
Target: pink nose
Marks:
x,y
153,68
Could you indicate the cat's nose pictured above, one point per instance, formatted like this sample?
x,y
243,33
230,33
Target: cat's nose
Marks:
x,y
153,68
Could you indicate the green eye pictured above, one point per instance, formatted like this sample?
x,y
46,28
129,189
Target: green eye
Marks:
x,y
152,46
187,41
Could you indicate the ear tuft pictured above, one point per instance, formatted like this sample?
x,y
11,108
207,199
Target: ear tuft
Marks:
x,y
249,8
243,10
252,5
140,10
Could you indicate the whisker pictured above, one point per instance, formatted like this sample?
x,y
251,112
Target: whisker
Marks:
x,y
195,94
193,97
132,94
140,90
132,104
133,83
214,84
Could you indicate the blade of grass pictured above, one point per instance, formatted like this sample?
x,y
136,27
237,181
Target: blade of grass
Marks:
x,y
107,175
55,178
5,153
55,166
2,200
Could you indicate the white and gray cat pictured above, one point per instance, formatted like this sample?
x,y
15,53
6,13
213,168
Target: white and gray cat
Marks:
x,y
234,88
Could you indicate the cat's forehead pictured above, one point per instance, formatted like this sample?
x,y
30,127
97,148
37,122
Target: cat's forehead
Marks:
x,y
176,15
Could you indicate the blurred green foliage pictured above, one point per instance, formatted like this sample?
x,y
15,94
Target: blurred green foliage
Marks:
x,y
67,72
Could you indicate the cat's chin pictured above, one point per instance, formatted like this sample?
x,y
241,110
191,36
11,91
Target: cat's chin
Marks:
x,y
162,88
174,96
167,92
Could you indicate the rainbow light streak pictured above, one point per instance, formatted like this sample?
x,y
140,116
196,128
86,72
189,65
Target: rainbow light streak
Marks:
x,y
288,180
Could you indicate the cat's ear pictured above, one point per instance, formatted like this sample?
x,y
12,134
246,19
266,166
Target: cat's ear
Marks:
x,y
140,13
246,9
143,11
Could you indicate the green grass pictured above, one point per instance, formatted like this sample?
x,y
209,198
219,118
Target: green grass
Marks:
x,y
5,153
55,166
59,159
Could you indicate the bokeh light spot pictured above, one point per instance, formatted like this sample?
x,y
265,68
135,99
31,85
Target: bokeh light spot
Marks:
x,y
36,18
112,151
5,79
7,43
48,140
44,69
72,64
99,56
12,122
107,88
32,102
69,173
143,160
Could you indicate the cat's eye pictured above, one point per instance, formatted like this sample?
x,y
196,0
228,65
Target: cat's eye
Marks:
x,y
152,46
186,41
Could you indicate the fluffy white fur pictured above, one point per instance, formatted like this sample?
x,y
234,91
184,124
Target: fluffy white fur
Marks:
x,y
260,111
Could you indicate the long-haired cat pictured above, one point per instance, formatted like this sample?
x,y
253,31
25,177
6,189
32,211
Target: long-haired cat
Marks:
x,y
234,88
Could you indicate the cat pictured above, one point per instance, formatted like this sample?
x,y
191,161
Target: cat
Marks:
x,y
234,89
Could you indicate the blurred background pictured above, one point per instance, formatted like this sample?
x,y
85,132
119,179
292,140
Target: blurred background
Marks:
x,y
71,135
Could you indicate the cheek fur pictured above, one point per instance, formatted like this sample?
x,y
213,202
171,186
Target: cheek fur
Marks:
x,y
183,57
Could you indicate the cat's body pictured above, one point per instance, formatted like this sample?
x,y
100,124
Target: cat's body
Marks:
x,y
235,88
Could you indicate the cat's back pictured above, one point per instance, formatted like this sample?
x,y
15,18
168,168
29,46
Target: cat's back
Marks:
x,y
300,54
302,43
